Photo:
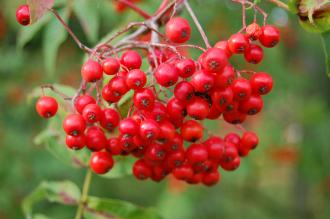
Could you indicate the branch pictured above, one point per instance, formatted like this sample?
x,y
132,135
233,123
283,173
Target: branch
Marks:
x,y
135,8
84,195
280,4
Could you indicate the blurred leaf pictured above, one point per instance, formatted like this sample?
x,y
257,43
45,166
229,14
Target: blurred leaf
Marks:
x,y
122,167
65,192
38,8
40,216
54,35
87,13
125,103
105,208
326,46
26,34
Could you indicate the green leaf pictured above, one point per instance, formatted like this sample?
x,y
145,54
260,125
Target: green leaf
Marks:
x,y
65,192
104,208
38,8
25,35
54,35
122,167
40,216
87,13
326,46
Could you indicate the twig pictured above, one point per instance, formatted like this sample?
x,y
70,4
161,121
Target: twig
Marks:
x,y
55,90
280,4
135,8
84,194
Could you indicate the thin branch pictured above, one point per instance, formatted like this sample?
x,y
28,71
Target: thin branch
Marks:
x,y
84,195
280,4
198,25
135,8
55,90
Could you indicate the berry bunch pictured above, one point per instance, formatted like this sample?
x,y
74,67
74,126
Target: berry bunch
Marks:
x,y
163,128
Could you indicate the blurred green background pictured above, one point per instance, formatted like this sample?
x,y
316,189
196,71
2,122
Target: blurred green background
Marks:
x,y
287,177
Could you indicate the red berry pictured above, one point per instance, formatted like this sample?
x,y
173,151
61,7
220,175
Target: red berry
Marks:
x,y
158,112
230,153
270,36
158,173
74,124
110,96
75,142
225,78
232,138
129,127
249,140
175,144
92,113
144,99
221,98
131,60
184,172
211,178
261,83
110,66
149,129
238,43
232,165
223,45
91,71
253,31
192,131
101,162
214,60
175,159
198,108
214,113
234,117
167,131
83,101
185,67
251,106
155,153
254,54
176,109
118,86
178,30
46,106
23,15
196,154
215,147
241,89
184,91
166,75
141,170
202,81
113,146
136,79
126,141
109,119
96,139
197,178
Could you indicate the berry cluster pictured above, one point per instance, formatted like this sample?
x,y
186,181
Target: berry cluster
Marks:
x,y
164,133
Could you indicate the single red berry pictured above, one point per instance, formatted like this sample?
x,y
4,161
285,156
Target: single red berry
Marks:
x,y
159,112
109,119
184,172
270,36
232,138
251,106
118,86
136,79
184,91
46,106
113,146
249,140
221,98
241,88
141,170
101,162
185,67
175,144
158,173
225,78
197,178
232,165
223,45
261,83
128,126
230,153
111,66
211,178
178,30
214,113
155,153
234,117
167,131
175,159
215,147
198,108
110,96
196,154
91,71
253,31
96,139
131,60
254,54
83,101
192,131
75,142
202,81
166,75
126,141
144,99
74,124
214,60
149,129
238,43
23,15
92,113
176,109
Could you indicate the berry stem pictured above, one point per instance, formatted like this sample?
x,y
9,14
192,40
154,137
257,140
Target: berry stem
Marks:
x,y
280,4
55,90
198,25
74,37
84,195
135,8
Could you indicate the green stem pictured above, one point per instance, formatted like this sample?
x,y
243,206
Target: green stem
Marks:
x,y
84,195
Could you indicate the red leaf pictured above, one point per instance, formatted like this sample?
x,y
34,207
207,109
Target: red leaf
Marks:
x,y
38,8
